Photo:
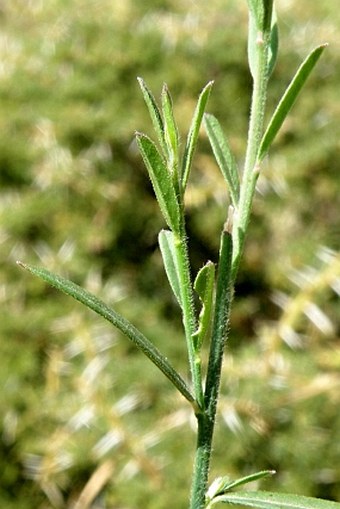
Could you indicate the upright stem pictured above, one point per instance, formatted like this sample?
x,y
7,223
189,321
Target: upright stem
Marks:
x,y
206,419
251,168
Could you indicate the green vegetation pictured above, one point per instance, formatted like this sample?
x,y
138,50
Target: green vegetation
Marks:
x,y
85,417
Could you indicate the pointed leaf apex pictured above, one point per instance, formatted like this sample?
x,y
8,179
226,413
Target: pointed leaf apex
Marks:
x,y
288,99
192,137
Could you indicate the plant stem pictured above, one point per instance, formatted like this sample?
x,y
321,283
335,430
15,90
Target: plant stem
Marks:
x,y
206,419
205,427
251,168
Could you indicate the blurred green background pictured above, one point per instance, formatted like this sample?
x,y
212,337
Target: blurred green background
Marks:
x,y
85,419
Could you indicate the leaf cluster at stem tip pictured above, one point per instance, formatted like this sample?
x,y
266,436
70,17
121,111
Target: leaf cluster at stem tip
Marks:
x,y
166,131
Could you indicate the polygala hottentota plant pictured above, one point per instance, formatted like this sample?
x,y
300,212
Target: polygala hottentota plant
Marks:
x,y
169,170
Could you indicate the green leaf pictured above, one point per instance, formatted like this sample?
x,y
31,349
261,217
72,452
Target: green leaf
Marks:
x,y
167,246
204,286
223,484
288,100
126,327
229,485
161,181
155,114
170,128
269,500
223,156
195,125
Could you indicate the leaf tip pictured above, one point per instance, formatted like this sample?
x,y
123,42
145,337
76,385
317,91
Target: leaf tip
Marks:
x,y
165,89
140,136
21,264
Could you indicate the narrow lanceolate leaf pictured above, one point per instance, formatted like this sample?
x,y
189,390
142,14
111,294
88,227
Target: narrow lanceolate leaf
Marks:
x,y
204,286
269,500
166,244
223,156
170,128
129,330
191,141
288,100
154,112
223,484
161,181
229,485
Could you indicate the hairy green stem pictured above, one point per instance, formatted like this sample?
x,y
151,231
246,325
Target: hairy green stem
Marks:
x,y
251,167
206,419
205,427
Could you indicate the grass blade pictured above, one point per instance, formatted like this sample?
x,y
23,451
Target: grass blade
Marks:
x,y
161,181
154,112
130,331
193,133
288,100
223,156
166,244
269,500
